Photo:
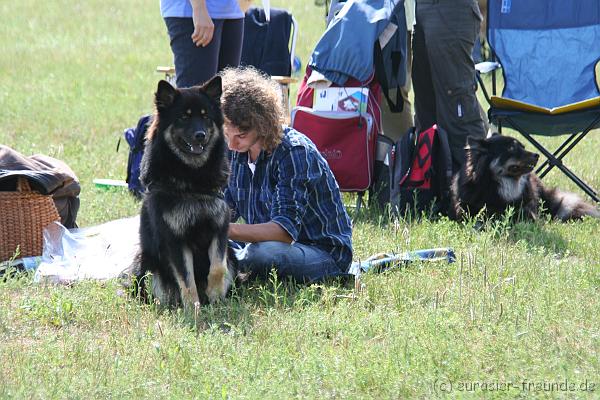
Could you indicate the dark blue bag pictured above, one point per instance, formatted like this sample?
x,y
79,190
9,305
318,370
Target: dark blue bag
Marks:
x,y
136,138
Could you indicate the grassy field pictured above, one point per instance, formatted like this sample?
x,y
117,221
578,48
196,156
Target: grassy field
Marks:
x,y
517,316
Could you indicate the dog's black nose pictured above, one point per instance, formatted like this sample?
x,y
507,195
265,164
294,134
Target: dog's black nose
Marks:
x,y
199,135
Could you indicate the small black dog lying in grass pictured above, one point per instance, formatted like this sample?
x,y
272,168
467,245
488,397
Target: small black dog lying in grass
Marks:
x,y
497,175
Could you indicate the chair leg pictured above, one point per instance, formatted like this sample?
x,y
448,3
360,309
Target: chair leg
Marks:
x,y
554,161
565,148
359,201
545,167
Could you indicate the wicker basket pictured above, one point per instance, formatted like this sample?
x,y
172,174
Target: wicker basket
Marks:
x,y
23,216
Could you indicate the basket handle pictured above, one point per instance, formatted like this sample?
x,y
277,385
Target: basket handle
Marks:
x,y
23,185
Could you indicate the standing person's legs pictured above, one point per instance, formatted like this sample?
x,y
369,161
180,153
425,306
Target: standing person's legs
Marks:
x,y
301,262
450,29
193,65
232,38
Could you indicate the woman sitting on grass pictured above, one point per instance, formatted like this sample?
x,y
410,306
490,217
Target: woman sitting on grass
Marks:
x,y
281,186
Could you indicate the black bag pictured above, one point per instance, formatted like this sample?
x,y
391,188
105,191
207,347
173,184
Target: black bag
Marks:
x,y
379,192
390,59
422,172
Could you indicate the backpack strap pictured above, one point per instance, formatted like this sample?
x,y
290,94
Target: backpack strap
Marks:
x,y
390,59
380,70
445,162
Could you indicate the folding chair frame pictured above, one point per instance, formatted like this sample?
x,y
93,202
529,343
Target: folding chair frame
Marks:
x,y
553,159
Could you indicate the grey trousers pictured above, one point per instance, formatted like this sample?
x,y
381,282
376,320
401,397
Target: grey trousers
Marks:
x,y
443,71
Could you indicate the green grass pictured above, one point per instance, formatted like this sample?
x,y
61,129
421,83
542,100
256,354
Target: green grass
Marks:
x,y
521,305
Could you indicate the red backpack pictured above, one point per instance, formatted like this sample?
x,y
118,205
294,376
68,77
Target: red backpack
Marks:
x,y
346,139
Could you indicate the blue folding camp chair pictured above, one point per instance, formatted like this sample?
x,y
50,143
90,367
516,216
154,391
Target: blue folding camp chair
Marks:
x,y
548,51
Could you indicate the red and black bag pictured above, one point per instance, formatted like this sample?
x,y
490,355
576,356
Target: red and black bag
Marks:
x,y
345,139
422,172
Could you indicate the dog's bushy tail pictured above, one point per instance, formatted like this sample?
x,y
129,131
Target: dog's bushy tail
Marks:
x,y
565,205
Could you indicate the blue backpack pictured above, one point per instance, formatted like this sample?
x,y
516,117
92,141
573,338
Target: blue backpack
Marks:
x,y
136,138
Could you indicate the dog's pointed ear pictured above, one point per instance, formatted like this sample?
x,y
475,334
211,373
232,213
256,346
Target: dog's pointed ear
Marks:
x,y
475,166
475,144
165,95
476,158
214,87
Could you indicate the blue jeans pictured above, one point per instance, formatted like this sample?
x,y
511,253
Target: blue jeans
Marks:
x,y
301,262
196,65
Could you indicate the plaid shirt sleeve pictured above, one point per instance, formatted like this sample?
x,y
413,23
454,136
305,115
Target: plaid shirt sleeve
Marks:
x,y
295,174
232,205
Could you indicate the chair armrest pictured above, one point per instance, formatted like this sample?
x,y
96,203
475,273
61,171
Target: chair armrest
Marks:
x,y
169,73
165,70
487,66
284,80
484,68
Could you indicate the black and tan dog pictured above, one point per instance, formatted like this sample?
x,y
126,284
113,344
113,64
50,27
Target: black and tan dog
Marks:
x,y
184,219
498,174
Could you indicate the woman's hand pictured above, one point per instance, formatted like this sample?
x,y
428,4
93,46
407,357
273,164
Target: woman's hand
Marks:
x,y
203,24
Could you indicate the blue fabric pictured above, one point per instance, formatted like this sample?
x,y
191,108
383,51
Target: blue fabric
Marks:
x,y
547,125
542,14
295,188
559,67
548,50
346,47
298,261
217,9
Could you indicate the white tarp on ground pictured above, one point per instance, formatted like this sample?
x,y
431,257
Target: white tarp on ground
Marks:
x,y
106,251
98,252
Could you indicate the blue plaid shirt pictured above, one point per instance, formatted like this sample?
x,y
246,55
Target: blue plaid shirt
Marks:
x,y
293,187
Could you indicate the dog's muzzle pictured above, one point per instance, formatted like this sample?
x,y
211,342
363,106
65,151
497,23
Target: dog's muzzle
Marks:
x,y
195,143
524,167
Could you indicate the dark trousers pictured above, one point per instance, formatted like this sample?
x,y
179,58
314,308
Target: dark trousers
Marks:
x,y
196,65
443,71
302,262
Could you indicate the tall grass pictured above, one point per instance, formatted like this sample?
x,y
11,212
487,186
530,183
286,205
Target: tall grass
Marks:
x,y
520,305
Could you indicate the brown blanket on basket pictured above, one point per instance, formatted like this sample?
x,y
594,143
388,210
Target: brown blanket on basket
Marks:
x,y
46,175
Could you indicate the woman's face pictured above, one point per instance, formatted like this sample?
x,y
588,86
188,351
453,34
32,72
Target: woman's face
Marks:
x,y
241,141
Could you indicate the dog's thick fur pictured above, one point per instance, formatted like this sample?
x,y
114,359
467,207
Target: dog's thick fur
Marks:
x,y
497,175
184,219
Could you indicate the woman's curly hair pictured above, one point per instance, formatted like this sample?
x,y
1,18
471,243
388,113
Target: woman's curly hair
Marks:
x,y
253,101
